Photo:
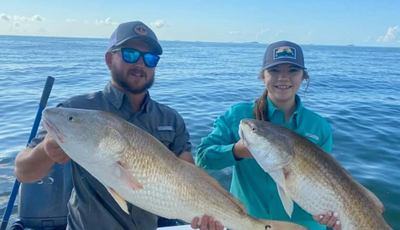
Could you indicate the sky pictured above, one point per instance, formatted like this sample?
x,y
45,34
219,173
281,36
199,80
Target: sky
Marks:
x,y
319,22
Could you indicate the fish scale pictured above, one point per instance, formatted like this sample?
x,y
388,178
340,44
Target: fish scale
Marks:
x,y
135,167
310,176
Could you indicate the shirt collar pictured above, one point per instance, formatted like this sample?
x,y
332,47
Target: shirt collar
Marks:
x,y
117,97
299,106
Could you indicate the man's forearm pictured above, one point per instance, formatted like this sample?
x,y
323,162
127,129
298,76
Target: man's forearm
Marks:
x,y
32,164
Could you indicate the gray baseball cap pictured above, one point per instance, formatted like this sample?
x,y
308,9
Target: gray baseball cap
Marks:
x,y
135,29
283,52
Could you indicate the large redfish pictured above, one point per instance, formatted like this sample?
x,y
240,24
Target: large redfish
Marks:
x,y
306,174
135,167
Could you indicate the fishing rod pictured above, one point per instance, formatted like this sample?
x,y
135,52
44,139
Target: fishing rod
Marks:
x,y
42,104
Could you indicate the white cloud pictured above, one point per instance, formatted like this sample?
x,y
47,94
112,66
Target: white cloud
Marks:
x,y
158,24
22,19
368,39
37,18
392,35
5,17
106,22
70,20
261,34
22,25
234,33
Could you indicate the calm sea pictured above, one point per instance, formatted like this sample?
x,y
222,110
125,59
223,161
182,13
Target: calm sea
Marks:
x,y
355,88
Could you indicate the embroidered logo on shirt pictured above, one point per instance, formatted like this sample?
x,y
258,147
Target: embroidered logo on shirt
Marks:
x,y
313,136
165,128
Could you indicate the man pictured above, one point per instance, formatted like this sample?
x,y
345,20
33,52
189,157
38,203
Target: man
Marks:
x,y
132,55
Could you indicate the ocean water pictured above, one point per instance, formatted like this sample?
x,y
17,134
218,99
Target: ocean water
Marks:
x,y
355,88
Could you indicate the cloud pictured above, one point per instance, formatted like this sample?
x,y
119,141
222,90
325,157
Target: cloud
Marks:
x,y
22,19
5,17
106,22
70,20
36,18
368,39
22,24
158,24
392,35
234,33
261,34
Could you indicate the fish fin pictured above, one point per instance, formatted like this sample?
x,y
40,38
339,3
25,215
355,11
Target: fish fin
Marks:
x,y
281,225
283,194
127,177
120,201
216,185
286,201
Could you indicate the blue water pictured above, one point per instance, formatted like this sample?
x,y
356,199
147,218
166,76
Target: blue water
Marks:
x,y
355,88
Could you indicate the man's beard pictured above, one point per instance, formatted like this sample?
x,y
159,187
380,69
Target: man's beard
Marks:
x,y
119,78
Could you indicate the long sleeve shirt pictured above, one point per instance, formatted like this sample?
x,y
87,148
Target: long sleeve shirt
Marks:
x,y
250,184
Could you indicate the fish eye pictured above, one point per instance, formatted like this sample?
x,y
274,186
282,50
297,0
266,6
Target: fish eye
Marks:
x,y
71,118
254,129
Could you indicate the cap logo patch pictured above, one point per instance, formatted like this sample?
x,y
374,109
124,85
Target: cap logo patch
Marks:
x,y
285,52
141,30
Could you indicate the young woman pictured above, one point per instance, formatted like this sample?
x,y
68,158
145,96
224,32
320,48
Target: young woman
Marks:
x,y
282,72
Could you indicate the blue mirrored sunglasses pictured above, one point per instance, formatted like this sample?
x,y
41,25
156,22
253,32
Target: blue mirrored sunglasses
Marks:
x,y
130,55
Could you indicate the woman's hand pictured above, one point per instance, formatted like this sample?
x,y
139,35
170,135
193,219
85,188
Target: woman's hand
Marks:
x,y
240,151
330,220
207,223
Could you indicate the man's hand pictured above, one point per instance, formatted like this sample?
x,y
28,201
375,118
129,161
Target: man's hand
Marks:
x,y
207,223
330,220
54,151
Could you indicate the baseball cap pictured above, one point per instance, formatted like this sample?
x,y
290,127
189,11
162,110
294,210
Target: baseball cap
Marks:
x,y
282,52
134,29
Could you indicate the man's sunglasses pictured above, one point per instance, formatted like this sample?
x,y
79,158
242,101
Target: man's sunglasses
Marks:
x,y
132,56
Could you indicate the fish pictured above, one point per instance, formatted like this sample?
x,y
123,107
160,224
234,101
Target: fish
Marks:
x,y
137,168
304,173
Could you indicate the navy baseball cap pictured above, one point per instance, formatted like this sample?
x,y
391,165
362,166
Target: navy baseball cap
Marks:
x,y
134,29
283,52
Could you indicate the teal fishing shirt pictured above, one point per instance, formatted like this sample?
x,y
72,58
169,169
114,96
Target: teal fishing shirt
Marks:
x,y
250,184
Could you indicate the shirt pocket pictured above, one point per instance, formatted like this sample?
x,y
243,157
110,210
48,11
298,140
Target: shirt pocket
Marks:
x,y
166,137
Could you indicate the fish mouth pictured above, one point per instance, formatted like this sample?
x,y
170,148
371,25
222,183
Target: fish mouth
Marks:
x,y
51,128
243,138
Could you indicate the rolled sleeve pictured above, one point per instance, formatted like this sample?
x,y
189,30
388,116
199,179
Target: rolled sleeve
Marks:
x,y
39,138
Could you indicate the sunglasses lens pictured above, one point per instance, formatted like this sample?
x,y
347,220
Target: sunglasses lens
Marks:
x,y
130,56
151,60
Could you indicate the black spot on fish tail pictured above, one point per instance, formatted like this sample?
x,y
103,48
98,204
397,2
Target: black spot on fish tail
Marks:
x,y
267,226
